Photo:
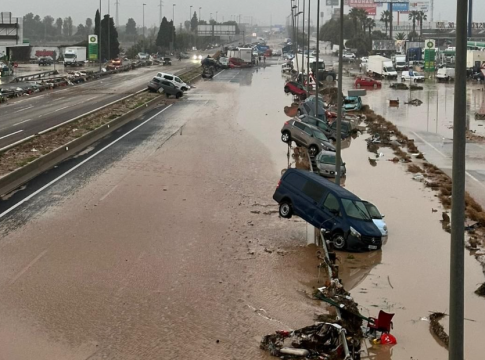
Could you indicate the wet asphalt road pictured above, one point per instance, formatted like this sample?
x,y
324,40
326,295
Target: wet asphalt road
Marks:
x,y
30,115
154,246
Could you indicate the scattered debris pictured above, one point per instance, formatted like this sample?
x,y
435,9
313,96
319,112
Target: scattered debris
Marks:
x,y
416,87
481,290
418,177
399,86
437,329
415,102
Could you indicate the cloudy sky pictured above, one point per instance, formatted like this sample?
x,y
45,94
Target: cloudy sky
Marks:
x,y
260,10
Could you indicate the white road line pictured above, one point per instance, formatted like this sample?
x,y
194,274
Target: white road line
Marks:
x,y
24,270
62,108
78,165
473,177
6,136
108,193
90,98
28,107
21,122
61,98
427,143
216,75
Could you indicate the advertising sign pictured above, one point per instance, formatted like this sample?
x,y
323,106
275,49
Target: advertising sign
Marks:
x,y
383,45
332,2
430,44
216,30
401,7
93,47
419,6
451,25
367,5
391,1
429,60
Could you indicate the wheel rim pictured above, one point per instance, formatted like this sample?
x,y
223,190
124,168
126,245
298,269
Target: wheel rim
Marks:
x,y
313,150
285,209
285,137
339,242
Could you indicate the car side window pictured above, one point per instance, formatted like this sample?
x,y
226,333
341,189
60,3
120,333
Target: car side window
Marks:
x,y
313,190
311,121
178,80
299,125
308,131
331,204
322,125
166,83
168,77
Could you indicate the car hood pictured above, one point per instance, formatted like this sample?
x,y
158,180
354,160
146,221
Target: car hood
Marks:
x,y
366,228
380,225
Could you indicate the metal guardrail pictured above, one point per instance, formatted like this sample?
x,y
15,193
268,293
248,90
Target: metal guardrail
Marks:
x,y
37,76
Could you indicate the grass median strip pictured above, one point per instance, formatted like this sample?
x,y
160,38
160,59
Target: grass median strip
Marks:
x,y
43,144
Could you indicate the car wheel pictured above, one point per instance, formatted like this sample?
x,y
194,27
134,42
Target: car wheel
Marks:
x,y
178,95
358,85
287,90
329,78
313,150
339,241
375,86
285,210
286,137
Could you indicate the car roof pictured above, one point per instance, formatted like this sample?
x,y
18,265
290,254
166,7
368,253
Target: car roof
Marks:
x,y
334,188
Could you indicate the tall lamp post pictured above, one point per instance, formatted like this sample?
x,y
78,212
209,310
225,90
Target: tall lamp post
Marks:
x,y
216,15
200,8
173,28
339,95
99,37
144,27
190,13
308,58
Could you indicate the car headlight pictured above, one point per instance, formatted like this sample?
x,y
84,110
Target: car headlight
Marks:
x,y
195,57
385,228
354,232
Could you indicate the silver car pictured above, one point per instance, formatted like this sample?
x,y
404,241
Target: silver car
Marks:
x,y
325,161
306,135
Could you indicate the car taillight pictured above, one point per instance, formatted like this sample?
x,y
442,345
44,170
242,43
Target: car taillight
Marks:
x,y
287,122
279,183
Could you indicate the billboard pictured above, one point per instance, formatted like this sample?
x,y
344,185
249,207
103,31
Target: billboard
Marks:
x,y
383,45
398,7
93,47
216,30
391,1
419,6
367,5
332,2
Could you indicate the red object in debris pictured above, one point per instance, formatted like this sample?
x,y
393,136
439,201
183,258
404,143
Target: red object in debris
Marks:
x,y
367,82
330,114
283,333
388,339
382,324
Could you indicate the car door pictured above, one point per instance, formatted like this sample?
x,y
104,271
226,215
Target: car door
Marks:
x,y
328,214
312,195
307,135
297,132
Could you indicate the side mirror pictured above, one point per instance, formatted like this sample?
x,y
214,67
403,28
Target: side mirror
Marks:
x,y
343,164
383,216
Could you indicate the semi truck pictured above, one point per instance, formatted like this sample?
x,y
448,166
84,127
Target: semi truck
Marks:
x,y
75,56
381,67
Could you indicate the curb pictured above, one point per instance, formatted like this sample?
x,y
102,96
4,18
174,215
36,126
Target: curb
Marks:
x,y
26,173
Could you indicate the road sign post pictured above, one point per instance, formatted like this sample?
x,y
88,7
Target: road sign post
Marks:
x,y
93,47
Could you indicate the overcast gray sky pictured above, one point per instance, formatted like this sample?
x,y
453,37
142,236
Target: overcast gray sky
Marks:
x,y
262,10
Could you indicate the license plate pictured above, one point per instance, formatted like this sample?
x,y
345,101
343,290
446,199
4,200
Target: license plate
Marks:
x,y
372,247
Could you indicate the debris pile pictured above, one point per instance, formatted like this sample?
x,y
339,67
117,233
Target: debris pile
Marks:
x,y
481,290
437,329
415,102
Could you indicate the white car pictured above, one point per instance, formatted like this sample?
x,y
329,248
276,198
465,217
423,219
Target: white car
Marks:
x,y
348,56
197,57
378,220
412,76
174,79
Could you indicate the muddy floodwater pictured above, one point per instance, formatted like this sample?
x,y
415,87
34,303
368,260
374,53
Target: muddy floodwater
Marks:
x,y
409,277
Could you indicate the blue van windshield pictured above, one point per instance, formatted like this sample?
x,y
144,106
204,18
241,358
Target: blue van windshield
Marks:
x,y
355,209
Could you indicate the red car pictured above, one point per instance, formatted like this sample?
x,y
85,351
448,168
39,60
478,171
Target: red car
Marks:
x,y
367,82
296,89
237,63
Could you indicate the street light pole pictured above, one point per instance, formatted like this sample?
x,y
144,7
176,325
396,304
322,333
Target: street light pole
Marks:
x,y
144,27
216,15
190,13
303,42
109,38
200,8
173,28
99,37
457,248
308,58
339,95
318,58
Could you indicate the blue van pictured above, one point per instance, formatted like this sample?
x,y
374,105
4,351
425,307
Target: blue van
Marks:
x,y
328,206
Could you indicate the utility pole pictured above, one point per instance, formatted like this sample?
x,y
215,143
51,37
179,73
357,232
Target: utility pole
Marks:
x,y
470,18
218,11
339,95
303,44
390,20
109,26
199,14
144,27
318,58
117,3
190,13
173,28
295,44
160,15
457,248
308,58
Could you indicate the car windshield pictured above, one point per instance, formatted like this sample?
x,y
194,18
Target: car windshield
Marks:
x,y
389,68
69,56
355,209
327,159
417,74
319,135
374,213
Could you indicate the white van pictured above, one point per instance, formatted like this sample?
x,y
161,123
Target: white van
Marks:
x,y
179,84
445,74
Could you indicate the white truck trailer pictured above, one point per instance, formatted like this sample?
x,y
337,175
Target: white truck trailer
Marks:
x,y
75,56
381,67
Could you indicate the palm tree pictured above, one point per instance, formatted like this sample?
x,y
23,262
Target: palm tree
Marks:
x,y
369,23
400,36
354,15
385,18
413,16
362,14
421,17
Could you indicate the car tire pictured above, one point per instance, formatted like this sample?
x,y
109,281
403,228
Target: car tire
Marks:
x,y
358,85
287,90
339,241
313,150
285,210
286,137
329,78
184,89
178,95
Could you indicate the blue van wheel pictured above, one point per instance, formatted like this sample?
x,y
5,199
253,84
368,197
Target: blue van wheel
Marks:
x,y
339,241
285,210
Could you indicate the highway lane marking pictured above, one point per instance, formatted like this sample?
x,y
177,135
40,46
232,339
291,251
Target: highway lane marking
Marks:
x,y
108,193
94,97
6,136
21,122
52,182
25,269
219,73
62,108
23,109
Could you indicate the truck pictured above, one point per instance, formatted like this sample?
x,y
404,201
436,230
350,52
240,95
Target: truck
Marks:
x,y
445,74
475,59
414,54
246,54
399,62
381,67
75,56
323,73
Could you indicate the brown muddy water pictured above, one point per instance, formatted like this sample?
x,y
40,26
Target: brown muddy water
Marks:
x,y
409,277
